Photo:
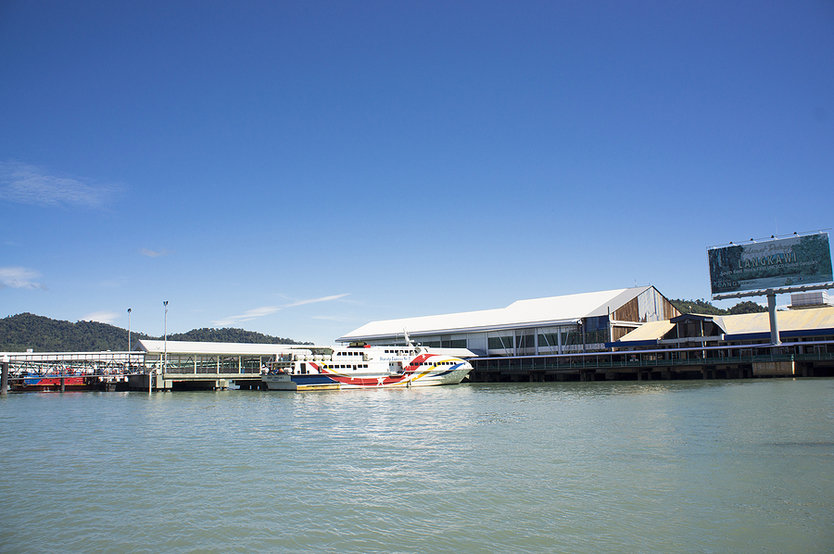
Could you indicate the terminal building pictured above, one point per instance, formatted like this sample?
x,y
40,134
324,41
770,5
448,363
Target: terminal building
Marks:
x,y
622,334
572,323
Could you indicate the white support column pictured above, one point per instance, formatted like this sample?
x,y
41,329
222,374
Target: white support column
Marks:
x,y
559,339
536,340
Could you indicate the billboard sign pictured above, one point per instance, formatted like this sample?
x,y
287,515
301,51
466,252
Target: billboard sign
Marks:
x,y
800,260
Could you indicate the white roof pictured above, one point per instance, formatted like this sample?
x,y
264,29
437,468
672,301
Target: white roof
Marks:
x,y
231,348
252,349
792,320
522,313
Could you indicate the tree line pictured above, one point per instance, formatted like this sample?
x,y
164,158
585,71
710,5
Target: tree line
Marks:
x,y
43,334
702,307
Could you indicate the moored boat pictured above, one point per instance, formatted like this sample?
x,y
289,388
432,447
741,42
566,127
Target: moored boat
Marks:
x,y
50,382
363,366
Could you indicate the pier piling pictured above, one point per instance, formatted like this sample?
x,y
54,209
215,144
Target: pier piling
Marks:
x,y
4,381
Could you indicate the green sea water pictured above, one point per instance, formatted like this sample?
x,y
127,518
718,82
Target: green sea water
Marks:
x,y
709,466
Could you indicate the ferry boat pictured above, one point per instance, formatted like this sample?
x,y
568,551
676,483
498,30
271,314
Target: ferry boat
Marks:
x,y
364,366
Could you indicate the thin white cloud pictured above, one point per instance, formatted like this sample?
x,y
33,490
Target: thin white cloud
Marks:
x,y
316,300
263,311
153,253
19,278
27,184
102,317
248,315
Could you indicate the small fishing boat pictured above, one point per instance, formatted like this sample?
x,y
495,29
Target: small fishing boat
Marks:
x,y
50,382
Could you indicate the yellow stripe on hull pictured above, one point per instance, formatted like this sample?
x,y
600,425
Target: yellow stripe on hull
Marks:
x,y
334,386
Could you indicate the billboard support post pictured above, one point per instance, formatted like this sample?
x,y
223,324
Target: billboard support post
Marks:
x,y
774,324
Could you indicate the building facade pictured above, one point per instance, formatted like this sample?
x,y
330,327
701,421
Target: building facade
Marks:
x,y
571,323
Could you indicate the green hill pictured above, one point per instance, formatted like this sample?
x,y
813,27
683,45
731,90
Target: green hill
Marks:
x,y
228,334
42,334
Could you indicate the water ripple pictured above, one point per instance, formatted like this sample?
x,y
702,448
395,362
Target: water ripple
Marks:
x,y
673,467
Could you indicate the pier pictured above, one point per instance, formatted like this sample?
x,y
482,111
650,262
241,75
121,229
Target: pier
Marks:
x,y
211,366
144,369
789,359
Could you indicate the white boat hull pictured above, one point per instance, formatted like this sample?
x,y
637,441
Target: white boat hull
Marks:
x,y
326,380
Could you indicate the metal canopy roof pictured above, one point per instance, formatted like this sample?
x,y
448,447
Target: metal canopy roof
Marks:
x,y
807,319
536,312
230,348
252,349
651,331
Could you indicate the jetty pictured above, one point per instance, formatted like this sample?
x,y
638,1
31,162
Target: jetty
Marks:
x,y
789,359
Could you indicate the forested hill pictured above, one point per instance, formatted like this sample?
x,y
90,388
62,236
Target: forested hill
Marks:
x,y
43,334
705,308
228,334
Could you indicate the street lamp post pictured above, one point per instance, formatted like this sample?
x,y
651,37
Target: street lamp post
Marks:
x,y
128,336
165,343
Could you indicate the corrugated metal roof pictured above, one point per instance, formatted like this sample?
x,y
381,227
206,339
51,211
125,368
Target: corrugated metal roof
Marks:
x,y
534,312
790,320
652,330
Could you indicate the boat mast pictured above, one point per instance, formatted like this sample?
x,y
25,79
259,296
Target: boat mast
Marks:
x,y
411,343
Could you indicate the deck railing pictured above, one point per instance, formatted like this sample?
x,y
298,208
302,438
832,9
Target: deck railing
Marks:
x,y
822,351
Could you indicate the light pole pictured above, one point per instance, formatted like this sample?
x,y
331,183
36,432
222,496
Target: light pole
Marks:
x,y
165,343
128,339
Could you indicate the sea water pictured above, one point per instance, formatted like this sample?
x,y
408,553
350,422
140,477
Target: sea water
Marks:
x,y
710,466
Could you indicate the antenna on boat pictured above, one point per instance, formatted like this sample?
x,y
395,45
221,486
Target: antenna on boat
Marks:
x,y
409,342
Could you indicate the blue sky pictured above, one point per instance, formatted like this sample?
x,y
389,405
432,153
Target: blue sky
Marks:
x,y
302,168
